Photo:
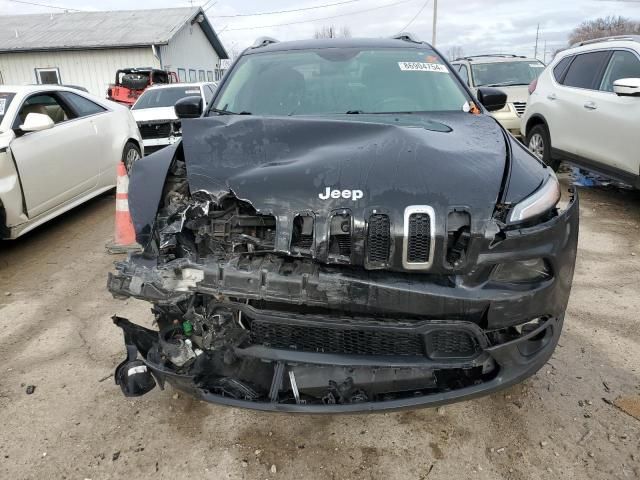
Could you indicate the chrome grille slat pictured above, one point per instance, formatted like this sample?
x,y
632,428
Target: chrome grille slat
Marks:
x,y
419,237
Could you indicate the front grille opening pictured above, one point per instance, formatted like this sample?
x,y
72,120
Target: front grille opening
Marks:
x,y
155,130
451,344
520,107
419,241
347,341
340,236
458,237
378,239
302,235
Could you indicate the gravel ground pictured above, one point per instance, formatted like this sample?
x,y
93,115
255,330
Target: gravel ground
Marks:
x,y
57,336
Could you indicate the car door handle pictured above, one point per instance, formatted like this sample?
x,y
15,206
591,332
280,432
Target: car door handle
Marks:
x,y
551,96
590,106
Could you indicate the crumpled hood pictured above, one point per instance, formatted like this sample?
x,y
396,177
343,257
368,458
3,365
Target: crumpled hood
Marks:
x,y
281,165
153,114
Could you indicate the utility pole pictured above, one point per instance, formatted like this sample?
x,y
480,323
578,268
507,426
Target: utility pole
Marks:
x,y
545,53
535,55
435,17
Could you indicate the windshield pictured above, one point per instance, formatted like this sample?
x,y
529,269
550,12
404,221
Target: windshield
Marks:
x,y
164,97
341,80
5,101
506,73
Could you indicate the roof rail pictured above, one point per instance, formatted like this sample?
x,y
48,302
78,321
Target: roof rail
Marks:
x,y
263,42
406,37
488,55
614,38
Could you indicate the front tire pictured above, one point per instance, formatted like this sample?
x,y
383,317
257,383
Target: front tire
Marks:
x,y
130,155
539,143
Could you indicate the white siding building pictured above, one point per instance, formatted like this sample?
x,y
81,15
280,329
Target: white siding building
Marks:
x,y
87,48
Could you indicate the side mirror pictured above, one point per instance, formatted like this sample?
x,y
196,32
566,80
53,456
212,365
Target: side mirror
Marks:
x,y
188,107
627,87
492,98
36,122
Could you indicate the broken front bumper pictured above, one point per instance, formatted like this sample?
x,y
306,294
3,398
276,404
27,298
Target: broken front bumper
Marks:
x,y
344,383
317,338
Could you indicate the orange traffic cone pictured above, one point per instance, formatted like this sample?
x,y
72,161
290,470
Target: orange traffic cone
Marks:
x,y
125,236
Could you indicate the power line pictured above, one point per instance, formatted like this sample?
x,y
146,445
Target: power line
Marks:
x,y
322,18
286,11
205,8
45,5
424,5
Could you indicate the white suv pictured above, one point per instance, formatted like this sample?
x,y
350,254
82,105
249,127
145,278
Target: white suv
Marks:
x,y
154,113
585,109
510,73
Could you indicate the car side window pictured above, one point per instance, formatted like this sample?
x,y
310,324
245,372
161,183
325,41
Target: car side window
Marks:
x,y
585,70
623,64
46,104
83,106
561,67
464,73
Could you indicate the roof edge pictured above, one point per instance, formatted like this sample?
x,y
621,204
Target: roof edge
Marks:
x,y
76,49
208,30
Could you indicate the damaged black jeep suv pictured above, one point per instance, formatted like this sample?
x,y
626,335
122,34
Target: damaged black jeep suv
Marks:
x,y
345,228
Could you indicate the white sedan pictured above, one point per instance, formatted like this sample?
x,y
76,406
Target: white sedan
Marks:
x,y
59,147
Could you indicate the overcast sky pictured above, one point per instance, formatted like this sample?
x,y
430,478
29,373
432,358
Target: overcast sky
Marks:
x,y
478,26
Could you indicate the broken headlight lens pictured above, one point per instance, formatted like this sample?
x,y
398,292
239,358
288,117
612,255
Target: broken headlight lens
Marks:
x,y
524,271
541,201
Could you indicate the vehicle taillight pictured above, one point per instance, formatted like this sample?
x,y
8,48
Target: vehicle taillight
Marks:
x,y
532,86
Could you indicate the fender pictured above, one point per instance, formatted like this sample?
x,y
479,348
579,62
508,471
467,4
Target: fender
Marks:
x,y
11,192
536,118
146,182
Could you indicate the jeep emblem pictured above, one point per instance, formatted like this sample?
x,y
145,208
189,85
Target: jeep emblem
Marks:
x,y
352,194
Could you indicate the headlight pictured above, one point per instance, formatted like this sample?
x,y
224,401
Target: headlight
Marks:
x,y
541,201
523,271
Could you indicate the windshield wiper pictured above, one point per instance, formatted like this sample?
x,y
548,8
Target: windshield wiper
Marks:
x,y
221,111
503,84
224,111
360,112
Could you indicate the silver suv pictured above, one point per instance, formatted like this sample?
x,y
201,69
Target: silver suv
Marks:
x,y
511,73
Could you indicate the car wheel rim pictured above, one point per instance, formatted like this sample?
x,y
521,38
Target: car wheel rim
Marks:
x,y
131,157
536,145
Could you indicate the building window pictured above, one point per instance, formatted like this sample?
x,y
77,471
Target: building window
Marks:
x,y
46,76
219,73
201,76
182,75
209,76
192,75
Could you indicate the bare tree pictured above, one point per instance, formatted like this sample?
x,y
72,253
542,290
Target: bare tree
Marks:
x,y
603,27
331,31
455,51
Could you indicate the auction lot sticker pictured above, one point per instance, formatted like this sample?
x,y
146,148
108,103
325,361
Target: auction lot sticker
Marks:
x,y
422,67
